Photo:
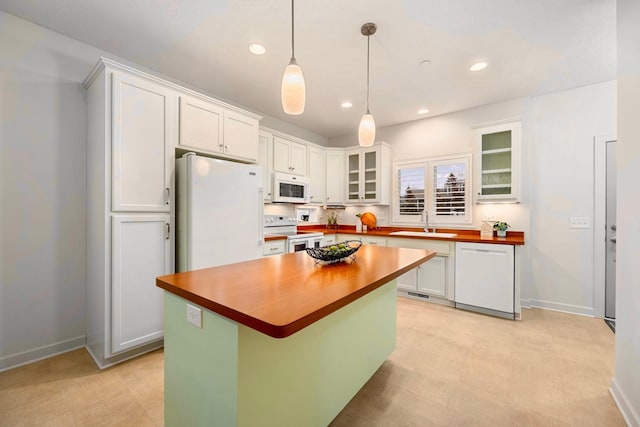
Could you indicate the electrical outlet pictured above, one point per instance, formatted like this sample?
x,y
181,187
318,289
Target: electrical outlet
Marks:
x,y
194,315
489,218
579,222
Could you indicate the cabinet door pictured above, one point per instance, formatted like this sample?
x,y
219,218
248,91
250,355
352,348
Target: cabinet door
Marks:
x,y
335,177
369,180
141,150
432,276
317,175
265,159
298,158
140,253
200,125
408,281
353,177
240,136
497,162
281,155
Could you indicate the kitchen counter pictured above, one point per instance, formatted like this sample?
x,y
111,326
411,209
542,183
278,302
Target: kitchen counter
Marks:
x,y
278,340
473,236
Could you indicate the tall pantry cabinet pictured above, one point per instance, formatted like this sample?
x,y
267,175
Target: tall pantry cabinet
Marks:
x,y
132,134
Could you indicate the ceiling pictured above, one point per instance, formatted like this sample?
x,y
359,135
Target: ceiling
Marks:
x,y
532,48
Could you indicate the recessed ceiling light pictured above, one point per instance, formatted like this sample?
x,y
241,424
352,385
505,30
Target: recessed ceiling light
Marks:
x,y
423,111
478,66
346,104
257,49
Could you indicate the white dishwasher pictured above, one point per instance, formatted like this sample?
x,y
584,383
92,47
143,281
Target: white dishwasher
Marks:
x,y
484,278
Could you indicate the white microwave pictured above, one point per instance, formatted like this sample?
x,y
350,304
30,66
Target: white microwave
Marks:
x,y
290,188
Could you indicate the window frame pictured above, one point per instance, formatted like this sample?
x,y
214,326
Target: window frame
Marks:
x,y
434,220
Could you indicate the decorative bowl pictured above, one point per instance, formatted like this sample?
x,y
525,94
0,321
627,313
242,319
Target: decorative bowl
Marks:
x,y
336,252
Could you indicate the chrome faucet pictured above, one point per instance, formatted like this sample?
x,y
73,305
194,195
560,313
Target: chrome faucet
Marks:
x,y
425,218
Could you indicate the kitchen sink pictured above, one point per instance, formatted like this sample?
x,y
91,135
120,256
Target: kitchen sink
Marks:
x,y
421,234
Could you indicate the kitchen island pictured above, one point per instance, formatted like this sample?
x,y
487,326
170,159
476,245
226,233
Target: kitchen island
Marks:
x,y
282,341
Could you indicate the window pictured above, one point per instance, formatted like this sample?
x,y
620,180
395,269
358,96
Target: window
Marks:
x,y
440,186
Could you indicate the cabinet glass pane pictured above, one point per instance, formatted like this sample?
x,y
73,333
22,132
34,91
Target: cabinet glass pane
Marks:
x,y
496,141
370,160
354,163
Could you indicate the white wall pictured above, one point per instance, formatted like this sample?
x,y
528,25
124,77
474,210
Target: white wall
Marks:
x,y
42,189
626,383
557,181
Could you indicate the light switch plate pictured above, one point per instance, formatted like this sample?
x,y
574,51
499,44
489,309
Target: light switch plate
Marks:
x,y
194,315
579,222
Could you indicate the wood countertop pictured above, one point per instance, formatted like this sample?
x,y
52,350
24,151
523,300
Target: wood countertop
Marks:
x,y
280,295
472,236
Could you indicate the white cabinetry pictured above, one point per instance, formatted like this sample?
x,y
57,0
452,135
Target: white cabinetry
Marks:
x,y
141,251
433,278
132,134
289,156
330,239
375,241
317,174
335,177
265,159
368,174
210,128
497,162
274,247
141,150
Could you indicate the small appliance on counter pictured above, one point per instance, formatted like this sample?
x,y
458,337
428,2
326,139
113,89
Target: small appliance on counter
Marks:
x,y
280,225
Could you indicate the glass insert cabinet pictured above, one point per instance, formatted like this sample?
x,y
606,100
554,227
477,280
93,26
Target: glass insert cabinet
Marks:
x,y
368,174
497,162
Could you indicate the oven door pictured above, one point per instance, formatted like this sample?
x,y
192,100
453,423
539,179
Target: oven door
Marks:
x,y
297,245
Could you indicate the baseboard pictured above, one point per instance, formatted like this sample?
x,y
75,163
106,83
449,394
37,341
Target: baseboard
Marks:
x,y
624,405
557,306
103,363
44,352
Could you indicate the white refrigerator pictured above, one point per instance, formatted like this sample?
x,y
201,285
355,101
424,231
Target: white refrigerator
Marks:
x,y
219,212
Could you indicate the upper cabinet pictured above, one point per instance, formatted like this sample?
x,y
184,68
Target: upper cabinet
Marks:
x,y
210,128
289,156
368,174
142,147
265,159
497,162
335,177
317,174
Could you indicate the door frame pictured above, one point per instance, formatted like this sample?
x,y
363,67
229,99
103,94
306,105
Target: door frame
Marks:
x,y
599,221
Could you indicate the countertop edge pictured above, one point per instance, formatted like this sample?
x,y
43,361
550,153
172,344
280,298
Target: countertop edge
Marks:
x,y
283,331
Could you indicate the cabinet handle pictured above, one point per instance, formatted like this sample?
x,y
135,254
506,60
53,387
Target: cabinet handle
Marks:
x,y
226,147
168,231
221,147
168,191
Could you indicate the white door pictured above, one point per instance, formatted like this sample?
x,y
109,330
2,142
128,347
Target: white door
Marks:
x,y
317,175
141,252
298,158
141,152
281,153
335,177
240,136
432,276
200,125
610,263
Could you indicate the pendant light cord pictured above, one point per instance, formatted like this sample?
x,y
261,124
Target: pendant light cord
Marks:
x,y
293,56
368,37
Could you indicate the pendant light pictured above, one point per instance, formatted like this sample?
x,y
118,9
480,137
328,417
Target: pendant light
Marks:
x,y
367,128
293,92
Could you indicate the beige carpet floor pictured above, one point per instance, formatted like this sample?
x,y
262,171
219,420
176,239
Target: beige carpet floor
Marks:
x,y
450,368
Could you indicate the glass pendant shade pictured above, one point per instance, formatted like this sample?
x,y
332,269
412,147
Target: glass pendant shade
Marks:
x,y
293,92
367,130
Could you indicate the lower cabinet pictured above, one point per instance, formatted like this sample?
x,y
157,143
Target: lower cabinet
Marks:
x,y
433,278
140,252
329,239
274,247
